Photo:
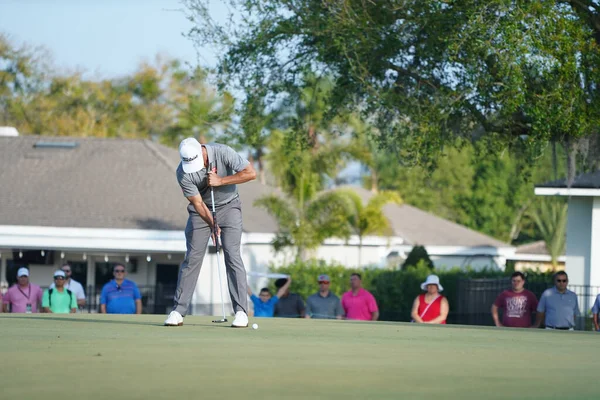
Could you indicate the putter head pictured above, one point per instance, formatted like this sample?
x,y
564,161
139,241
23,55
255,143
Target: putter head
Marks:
x,y
219,321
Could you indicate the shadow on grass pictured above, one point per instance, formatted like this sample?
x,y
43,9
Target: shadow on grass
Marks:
x,y
118,322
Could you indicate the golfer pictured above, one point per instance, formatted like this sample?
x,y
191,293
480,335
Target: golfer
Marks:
x,y
196,179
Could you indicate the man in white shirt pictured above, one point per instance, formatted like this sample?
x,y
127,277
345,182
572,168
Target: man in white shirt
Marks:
x,y
73,286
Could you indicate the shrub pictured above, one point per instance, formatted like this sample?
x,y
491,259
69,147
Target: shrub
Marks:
x,y
417,255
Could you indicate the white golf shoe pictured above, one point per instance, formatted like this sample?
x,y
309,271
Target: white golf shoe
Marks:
x,y
240,320
174,319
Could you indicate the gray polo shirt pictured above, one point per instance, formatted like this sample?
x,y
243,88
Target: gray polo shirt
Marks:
x,y
228,163
321,307
560,308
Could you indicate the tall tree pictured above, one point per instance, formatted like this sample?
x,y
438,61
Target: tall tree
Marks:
x,y
429,71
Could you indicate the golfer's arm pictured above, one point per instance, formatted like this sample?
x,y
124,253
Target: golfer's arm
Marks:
x,y
495,315
138,306
201,209
81,302
243,176
103,308
374,315
596,321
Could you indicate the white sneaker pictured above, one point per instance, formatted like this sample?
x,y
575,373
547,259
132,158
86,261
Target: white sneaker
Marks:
x,y
240,320
175,319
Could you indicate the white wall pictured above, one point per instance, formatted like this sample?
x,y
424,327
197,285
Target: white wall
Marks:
x,y
579,245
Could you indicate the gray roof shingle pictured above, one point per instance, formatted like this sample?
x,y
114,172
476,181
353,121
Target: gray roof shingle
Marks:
x,y
101,183
418,227
131,184
584,181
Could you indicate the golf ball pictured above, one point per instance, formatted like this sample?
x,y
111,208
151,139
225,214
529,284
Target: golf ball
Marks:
x,y
254,326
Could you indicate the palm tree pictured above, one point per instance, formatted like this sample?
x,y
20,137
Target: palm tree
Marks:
x,y
305,222
550,219
369,219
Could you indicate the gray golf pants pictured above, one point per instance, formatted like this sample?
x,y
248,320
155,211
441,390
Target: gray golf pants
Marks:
x,y
197,235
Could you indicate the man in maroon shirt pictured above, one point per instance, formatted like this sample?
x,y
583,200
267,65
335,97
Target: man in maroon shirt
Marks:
x,y
517,304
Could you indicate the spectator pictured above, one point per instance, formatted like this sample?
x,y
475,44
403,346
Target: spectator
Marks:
x,y
595,311
264,305
324,304
59,300
430,307
558,305
73,286
358,303
290,305
120,295
23,296
518,304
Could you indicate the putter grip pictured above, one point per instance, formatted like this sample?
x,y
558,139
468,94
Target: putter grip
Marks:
x,y
217,244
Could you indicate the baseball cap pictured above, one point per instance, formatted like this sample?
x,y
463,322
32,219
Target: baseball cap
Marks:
x,y
324,277
22,272
59,273
190,151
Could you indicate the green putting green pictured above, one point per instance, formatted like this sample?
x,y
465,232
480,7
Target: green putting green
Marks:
x,y
91,356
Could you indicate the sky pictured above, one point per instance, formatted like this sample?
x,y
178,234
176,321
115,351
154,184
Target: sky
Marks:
x,y
103,38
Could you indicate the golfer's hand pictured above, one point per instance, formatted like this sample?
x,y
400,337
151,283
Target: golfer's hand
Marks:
x,y
214,179
216,233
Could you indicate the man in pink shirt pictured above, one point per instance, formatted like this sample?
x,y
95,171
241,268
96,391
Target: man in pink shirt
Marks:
x,y
358,303
22,297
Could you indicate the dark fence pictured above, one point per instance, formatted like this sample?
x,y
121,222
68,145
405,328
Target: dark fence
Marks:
x,y
476,296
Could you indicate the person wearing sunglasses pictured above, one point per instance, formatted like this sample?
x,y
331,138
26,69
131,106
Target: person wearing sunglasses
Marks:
x,y
120,295
558,306
59,300
324,304
73,285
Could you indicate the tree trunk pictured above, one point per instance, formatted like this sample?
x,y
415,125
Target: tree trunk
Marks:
x,y
571,148
554,160
374,185
360,252
261,167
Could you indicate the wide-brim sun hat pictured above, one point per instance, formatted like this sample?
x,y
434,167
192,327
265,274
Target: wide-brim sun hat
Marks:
x,y
432,280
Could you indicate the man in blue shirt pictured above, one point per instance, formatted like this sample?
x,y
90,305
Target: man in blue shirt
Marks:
x,y
264,304
558,306
120,296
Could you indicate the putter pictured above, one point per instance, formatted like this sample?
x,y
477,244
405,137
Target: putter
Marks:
x,y
214,215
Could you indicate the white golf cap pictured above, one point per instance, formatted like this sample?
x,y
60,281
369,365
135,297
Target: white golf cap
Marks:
x,y
59,273
190,151
22,272
432,280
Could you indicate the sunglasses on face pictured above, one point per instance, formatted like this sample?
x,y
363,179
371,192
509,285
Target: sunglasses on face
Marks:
x,y
118,271
59,278
561,280
323,282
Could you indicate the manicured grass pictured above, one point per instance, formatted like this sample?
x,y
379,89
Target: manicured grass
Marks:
x,y
90,356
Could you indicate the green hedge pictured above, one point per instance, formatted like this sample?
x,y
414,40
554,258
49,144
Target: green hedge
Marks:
x,y
395,290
